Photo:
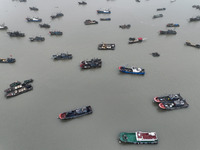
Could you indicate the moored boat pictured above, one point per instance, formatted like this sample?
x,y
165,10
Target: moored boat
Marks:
x,y
13,88
27,82
16,83
170,97
138,137
34,19
176,104
106,11
168,32
192,45
37,38
33,8
44,25
172,25
7,60
24,89
132,70
125,26
62,56
56,33
3,27
89,22
93,63
16,34
106,46
158,16
75,113
58,15
135,40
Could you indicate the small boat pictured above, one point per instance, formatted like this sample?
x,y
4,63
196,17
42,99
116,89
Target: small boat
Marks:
x,y
93,63
172,25
196,6
106,11
13,88
138,137
105,19
33,8
135,40
170,97
58,15
192,45
155,54
89,22
75,113
158,16
62,56
16,34
3,27
16,83
44,25
125,26
37,39
56,33
27,82
24,89
161,9
168,32
137,0
177,104
7,60
106,46
82,3
172,1
22,0
132,70
195,19
34,19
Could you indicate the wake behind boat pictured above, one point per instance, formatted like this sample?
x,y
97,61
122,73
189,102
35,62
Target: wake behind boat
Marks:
x,y
75,113
132,70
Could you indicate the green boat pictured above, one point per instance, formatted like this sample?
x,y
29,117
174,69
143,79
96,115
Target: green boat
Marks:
x,y
138,137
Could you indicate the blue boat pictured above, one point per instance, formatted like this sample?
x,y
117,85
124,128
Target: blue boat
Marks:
x,y
105,19
55,33
172,25
132,70
107,11
8,60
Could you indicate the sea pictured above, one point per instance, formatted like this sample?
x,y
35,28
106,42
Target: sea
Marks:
x,y
120,102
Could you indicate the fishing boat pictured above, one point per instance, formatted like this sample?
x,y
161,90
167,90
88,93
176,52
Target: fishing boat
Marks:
x,y
82,3
168,32
7,60
16,34
192,45
176,104
33,8
44,25
90,22
58,15
161,9
16,83
170,97
56,33
37,39
13,88
195,19
75,113
27,82
158,16
155,54
138,137
135,40
106,11
132,70
125,26
93,63
172,25
105,19
106,46
34,19
3,27
62,56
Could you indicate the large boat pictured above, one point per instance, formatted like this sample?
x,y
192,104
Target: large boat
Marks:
x,y
160,9
192,45
168,32
93,63
37,38
75,113
135,40
158,16
176,104
172,25
170,97
7,60
106,11
24,89
55,33
16,83
16,34
195,19
138,137
3,27
106,46
132,70
34,19
105,19
33,8
82,3
89,22
62,56
44,25
125,26
58,15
